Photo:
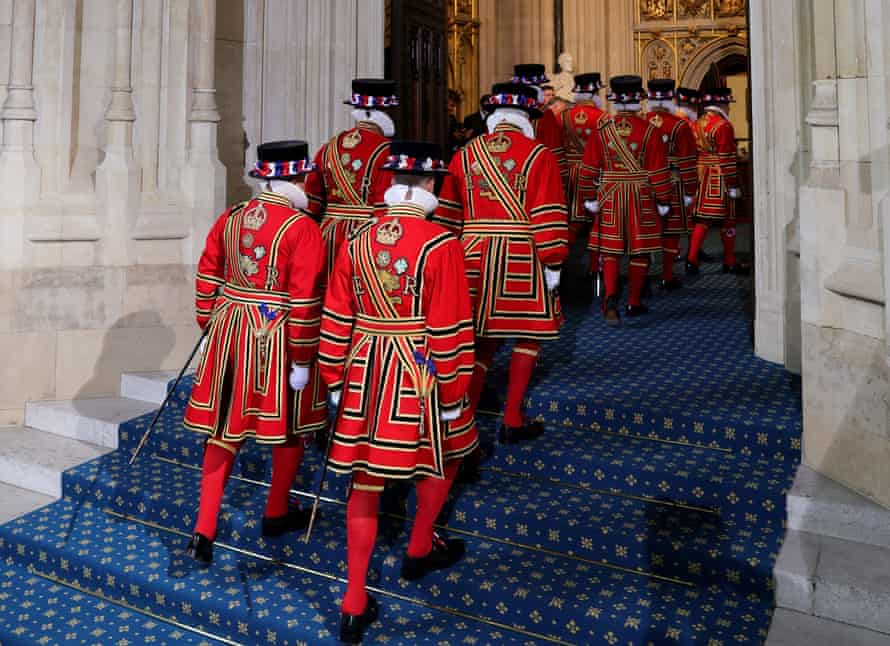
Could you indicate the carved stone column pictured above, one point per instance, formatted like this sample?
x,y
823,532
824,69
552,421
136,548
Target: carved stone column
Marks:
x,y
117,176
204,176
19,172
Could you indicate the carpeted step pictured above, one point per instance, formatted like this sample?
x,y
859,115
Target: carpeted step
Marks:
x,y
527,591
36,610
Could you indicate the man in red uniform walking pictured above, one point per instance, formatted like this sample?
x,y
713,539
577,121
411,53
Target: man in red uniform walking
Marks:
x,y
681,154
259,289
625,183
504,198
718,181
397,355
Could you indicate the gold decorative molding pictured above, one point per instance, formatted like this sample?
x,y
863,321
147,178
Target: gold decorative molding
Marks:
x,y
463,51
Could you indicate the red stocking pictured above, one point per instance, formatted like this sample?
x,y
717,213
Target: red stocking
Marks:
x,y
522,366
219,457
639,267
696,241
431,496
361,533
286,461
610,274
670,250
727,236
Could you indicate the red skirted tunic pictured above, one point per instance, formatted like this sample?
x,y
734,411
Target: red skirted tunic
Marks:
x,y
348,185
717,171
259,289
397,340
625,168
548,132
578,125
504,198
682,157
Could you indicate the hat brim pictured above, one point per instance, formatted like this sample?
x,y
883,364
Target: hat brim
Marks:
x,y
533,113
256,175
405,171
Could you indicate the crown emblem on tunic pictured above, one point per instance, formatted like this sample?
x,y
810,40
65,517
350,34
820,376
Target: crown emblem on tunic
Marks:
x,y
624,128
352,140
254,218
500,143
389,233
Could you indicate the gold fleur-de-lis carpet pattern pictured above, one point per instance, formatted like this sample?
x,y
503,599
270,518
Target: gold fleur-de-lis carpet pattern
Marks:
x,y
651,512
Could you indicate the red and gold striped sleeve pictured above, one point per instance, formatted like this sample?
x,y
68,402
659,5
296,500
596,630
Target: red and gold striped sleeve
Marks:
x,y
724,138
315,188
449,320
380,181
656,163
686,155
306,270
548,132
591,167
450,212
211,274
337,320
545,203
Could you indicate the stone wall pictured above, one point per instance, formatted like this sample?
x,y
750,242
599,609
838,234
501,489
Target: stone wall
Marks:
x,y
126,127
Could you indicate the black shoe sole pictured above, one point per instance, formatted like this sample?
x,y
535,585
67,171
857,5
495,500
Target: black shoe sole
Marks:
x,y
416,569
355,634
293,521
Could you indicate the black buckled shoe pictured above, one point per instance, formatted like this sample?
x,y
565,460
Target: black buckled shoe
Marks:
x,y
737,269
692,270
294,520
200,548
610,311
353,627
704,256
443,554
636,310
671,285
515,434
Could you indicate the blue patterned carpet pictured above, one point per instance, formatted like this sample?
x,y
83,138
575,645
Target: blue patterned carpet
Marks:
x,y
651,512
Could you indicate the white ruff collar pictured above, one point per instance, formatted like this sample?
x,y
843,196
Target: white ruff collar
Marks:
x,y
666,104
378,118
718,110
596,99
514,117
295,195
401,194
626,107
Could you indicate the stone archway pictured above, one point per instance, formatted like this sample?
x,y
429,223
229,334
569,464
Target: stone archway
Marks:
x,y
712,53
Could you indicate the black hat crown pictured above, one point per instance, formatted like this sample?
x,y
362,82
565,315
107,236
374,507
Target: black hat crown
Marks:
x,y
529,74
713,95
282,160
687,95
626,89
661,89
515,95
374,94
415,158
588,83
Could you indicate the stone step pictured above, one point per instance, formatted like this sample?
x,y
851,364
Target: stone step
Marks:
x,y
791,628
91,420
147,386
819,505
15,502
35,460
835,579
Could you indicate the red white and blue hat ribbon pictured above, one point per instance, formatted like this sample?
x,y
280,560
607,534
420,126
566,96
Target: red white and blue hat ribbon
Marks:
x,y
513,99
369,101
530,80
415,164
273,170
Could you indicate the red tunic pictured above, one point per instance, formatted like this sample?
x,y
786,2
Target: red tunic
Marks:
x,y
398,293
504,198
716,166
682,156
625,168
348,184
267,262
578,125
548,132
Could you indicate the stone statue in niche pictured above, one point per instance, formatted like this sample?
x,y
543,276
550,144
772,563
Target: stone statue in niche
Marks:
x,y
731,7
563,82
656,9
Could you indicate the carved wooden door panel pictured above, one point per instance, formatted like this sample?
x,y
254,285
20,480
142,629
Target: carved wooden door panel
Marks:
x,y
417,60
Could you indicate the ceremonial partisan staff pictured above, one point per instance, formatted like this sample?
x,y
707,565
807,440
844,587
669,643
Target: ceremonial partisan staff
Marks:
x,y
169,393
324,472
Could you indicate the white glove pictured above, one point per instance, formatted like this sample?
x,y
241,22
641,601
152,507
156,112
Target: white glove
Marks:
x,y
299,377
449,414
664,209
687,200
202,348
734,193
334,397
551,277
592,205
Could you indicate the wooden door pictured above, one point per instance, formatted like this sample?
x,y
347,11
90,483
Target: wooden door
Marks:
x,y
417,59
